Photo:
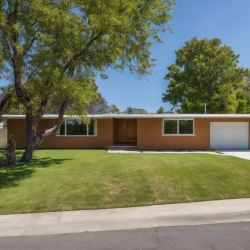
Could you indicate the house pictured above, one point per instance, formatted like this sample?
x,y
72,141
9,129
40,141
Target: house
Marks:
x,y
142,131
138,111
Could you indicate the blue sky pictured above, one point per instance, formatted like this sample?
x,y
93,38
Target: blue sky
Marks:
x,y
228,20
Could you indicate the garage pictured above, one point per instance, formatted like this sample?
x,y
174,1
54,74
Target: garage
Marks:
x,y
229,135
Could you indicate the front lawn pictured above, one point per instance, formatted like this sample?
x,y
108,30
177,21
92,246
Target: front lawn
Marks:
x,y
58,180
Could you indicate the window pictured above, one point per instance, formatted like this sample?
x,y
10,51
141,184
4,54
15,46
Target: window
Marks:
x,y
170,127
178,127
186,127
77,128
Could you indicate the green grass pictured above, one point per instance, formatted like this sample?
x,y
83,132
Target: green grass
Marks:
x,y
58,180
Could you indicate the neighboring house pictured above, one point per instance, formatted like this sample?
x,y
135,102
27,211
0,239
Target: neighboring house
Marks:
x,y
3,136
138,111
143,131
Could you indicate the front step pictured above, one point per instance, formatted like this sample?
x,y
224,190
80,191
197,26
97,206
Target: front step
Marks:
x,y
122,148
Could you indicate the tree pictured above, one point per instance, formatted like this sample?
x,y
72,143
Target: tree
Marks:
x,y
10,103
243,98
115,109
98,106
160,111
101,106
1,98
129,110
4,102
205,72
55,49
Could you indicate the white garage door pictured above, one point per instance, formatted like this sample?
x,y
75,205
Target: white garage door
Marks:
x,y
229,135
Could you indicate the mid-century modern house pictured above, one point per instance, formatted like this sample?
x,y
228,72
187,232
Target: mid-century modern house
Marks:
x,y
142,131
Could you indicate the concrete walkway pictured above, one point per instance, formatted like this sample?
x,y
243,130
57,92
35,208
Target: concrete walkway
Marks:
x,y
207,212
244,154
162,151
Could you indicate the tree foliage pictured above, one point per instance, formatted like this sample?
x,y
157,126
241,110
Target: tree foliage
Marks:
x,y
243,98
129,110
115,109
51,51
206,72
101,106
160,111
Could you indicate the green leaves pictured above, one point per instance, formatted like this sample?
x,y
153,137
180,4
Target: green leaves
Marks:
x,y
205,72
57,48
160,111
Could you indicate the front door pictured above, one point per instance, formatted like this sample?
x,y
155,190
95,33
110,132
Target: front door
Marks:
x,y
131,130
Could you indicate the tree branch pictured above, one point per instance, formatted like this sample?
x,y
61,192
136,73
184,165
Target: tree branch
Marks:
x,y
3,102
53,128
29,47
80,54
8,47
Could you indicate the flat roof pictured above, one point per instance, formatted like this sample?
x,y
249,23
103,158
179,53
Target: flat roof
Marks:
x,y
125,116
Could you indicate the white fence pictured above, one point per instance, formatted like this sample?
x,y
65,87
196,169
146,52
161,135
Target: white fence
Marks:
x,y
3,136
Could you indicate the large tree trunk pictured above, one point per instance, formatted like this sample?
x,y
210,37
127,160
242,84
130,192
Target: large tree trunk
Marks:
x,y
11,151
31,127
31,146
33,140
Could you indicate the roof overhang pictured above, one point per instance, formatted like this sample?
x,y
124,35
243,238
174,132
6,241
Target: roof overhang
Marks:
x,y
136,116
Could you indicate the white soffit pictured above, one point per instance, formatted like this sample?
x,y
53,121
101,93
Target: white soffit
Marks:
x,y
131,116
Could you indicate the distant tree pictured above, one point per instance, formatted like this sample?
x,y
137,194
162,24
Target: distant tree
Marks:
x,y
129,110
205,72
160,111
243,98
98,106
114,109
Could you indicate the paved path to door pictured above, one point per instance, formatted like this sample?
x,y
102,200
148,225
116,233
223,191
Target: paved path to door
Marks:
x,y
197,213
244,154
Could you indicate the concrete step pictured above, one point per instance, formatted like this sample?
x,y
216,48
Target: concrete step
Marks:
x,y
122,148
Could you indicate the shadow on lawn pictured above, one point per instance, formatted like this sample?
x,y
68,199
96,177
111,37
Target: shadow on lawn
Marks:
x,y
12,175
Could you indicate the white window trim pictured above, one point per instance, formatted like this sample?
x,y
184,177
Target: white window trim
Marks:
x,y
95,130
178,119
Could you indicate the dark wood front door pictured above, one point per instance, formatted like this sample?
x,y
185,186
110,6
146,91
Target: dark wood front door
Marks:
x,y
131,130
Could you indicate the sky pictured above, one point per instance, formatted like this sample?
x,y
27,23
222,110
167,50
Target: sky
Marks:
x,y
228,20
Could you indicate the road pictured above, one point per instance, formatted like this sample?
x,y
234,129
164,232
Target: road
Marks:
x,y
235,236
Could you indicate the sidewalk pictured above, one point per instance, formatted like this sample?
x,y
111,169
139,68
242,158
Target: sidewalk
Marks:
x,y
197,213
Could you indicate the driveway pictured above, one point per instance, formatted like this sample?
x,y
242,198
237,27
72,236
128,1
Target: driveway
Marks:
x,y
244,154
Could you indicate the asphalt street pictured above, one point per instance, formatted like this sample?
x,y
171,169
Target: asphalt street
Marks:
x,y
235,236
